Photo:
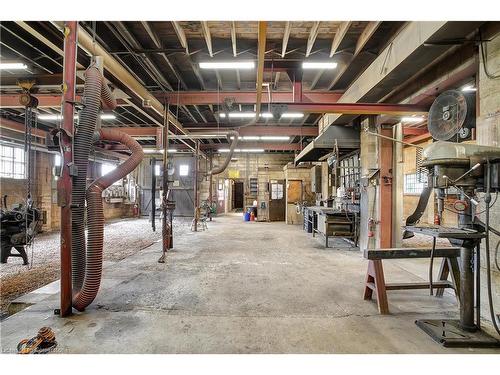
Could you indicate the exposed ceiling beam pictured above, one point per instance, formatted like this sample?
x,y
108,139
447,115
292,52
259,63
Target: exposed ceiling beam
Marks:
x,y
156,40
233,38
414,131
316,79
407,44
181,36
261,51
44,40
44,100
360,44
366,35
208,38
125,37
218,146
359,108
286,36
189,98
339,36
313,34
246,97
273,130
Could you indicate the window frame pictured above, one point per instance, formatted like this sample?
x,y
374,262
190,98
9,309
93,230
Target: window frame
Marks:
x,y
412,185
16,153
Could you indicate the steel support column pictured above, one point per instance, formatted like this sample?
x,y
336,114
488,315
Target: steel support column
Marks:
x,y
64,185
196,197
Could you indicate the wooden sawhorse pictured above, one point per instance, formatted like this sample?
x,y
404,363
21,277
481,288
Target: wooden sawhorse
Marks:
x,y
375,280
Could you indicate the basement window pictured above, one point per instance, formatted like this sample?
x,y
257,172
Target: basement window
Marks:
x,y
183,170
12,163
412,185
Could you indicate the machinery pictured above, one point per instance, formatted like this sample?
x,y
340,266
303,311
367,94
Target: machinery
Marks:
x,y
468,169
18,228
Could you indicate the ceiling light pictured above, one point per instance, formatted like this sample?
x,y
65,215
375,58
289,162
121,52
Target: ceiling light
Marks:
x,y
292,115
275,138
412,119
143,138
469,88
241,114
225,150
318,65
267,115
13,66
222,115
156,151
228,65
252,150
49,117
57,117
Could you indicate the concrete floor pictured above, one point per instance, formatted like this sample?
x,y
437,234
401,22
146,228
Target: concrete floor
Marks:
x,y
240,288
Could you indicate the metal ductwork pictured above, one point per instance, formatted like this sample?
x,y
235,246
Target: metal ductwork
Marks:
x,y
221,168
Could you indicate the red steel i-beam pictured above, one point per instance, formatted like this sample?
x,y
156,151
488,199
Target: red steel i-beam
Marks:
x,y
64,184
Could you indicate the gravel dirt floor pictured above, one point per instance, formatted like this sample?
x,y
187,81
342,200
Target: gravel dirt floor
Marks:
x,y
122,238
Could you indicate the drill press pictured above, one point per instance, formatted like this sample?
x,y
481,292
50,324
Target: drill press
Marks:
x,y
467,169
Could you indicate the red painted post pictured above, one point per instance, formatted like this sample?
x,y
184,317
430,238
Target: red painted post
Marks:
x,y
64,185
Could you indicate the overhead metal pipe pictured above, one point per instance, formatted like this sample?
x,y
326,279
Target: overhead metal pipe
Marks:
x,y
221,168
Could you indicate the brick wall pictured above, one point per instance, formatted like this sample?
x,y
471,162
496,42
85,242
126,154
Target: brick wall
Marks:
x,y
488,133
44,190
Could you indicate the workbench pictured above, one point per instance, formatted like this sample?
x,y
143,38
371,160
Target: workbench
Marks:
x,y
331,222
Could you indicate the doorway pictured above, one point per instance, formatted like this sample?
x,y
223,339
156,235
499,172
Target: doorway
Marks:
x,y
237,195
276,200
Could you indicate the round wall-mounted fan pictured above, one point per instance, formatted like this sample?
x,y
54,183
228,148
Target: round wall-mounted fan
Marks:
x,y
451,113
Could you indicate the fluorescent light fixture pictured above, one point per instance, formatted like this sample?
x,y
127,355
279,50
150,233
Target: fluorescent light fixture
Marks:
x,y
156,151
222,115
469,88
225,150
318,65
241,114
275,138
292,115
252,150
412,119
143,138
58,117
267,115
49,117
227,65
13,66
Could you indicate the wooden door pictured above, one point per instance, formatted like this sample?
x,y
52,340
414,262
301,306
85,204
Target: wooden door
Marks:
x,y
277,200
238,195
